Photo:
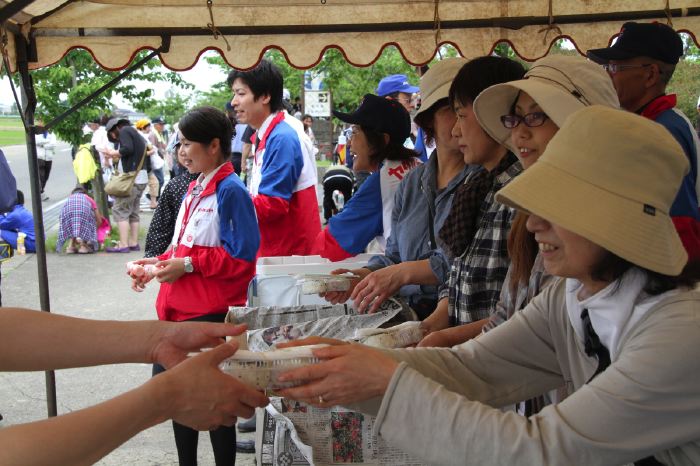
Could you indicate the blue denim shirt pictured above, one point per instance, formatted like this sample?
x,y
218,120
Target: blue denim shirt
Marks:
x,y
415,199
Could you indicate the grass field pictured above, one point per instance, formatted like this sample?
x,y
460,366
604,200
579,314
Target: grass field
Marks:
x,y
11,131
11,137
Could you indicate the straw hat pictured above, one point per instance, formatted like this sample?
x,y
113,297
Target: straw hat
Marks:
x,y
611,177
435,84
559,84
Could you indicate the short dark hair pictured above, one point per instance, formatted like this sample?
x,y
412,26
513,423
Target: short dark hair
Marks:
x,y
306,116
264,79
20,197
204,124
611,267
425,119
381,150
478,74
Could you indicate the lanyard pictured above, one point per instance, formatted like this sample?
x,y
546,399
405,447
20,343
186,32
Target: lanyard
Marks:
x,y
189,209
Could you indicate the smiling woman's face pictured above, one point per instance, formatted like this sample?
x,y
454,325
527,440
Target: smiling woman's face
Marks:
x,y
565,253
530,142
362,150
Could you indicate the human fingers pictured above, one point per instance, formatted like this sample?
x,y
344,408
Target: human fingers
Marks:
x,y
136,285
377,302
217,354
340,271
336,297
146,260
359,288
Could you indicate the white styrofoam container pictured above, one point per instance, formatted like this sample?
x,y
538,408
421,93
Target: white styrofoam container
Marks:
x,y
292,265
274,284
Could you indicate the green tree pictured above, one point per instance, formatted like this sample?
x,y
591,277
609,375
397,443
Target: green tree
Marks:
x,y
172,108
685,83
60,86
346,82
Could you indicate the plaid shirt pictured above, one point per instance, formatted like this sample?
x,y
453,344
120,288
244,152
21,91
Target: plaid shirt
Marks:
x,y
476,277
510,303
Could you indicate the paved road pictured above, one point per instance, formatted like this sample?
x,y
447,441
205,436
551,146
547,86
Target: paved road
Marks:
x,y
61,180
93,286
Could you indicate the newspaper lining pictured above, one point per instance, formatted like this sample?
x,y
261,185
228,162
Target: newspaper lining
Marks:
x,y
292,433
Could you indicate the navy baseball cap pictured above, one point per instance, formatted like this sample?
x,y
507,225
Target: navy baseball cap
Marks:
x,y
395,83
382,115
653,40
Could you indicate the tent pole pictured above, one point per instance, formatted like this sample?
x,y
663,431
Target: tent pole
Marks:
x,y
29,104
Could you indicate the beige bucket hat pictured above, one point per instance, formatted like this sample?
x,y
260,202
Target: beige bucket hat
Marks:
x,y
560,85
435,84
611,177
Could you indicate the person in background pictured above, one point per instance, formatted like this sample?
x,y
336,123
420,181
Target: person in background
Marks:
x,y
397,87
161,134
18,220
475,232
132,148
641,63
413,265
525,115
212,255
379,128
308,121
239,130
155,176
283,177
337,178
45,150
78,223
8,194
162,227
193,391
246,150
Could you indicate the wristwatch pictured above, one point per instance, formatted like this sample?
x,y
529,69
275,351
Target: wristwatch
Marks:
x,y
189,268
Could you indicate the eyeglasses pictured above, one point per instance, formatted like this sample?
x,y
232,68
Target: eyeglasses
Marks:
x,y
614,68
531,120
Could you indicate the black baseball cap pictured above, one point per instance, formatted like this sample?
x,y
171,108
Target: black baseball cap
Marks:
x,y
653,40
381,115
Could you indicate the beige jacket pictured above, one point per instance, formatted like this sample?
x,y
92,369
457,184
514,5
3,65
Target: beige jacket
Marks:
x,y
439,402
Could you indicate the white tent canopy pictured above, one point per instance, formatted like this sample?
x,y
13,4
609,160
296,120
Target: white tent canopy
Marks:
x,y
114,30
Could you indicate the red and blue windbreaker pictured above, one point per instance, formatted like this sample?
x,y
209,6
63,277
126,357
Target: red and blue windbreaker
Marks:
x,y
283,186
218,230
685,211
367,216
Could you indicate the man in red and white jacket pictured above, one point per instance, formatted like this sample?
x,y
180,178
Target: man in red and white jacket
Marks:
x,y
283,178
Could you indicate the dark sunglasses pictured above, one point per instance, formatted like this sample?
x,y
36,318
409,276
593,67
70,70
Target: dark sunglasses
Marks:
x,y
531,120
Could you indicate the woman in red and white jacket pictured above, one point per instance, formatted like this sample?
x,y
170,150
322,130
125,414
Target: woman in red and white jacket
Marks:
x,y
212,256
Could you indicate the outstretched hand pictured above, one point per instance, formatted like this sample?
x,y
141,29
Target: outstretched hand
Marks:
x,y
173,341
350,373
339,297
377,287
199,395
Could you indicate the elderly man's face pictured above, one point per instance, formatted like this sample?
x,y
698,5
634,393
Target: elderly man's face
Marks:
x,y
630,82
